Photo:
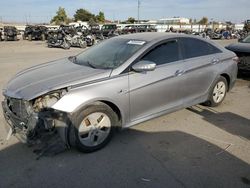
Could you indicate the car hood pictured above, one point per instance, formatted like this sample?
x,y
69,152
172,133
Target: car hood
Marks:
x,y
38,80
239,47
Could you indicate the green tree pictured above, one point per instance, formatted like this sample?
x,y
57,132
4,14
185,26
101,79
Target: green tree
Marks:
x,y
92,22
203,21
131,20
83,15
100,17
60,17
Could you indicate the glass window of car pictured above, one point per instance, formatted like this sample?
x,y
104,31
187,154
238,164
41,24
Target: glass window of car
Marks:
x,y
246,40
195,48
164,53
109,54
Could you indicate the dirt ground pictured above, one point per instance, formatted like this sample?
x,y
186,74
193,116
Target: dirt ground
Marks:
x,y
194,147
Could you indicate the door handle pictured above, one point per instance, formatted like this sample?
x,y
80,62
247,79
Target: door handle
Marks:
x,y
179,72
215,61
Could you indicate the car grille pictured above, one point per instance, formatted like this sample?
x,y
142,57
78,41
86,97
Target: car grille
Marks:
x,y
17,107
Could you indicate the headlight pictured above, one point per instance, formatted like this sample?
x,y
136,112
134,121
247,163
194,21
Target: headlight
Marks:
x,y
48,100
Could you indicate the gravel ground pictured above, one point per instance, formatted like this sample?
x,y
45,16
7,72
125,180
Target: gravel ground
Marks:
x,y
194,147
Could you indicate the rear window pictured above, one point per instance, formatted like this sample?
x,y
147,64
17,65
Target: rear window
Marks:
x,y
195,48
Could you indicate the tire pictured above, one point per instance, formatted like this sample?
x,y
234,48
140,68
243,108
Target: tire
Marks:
x,y
29,37
93,127
83,44
5,38
66,45
15,38
217,93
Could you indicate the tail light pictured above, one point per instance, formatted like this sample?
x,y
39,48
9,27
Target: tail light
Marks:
x,y
236,59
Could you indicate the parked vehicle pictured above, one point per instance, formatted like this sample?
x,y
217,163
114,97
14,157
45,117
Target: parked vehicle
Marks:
x,y
128,29
1,34
117,83
247,26
35,32
109,30
146,28
65,41
242,50
10,33
58,39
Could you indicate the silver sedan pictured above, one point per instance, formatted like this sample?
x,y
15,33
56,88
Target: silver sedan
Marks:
x,y
117,83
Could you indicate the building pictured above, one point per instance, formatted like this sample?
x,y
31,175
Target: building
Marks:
x,y
173,21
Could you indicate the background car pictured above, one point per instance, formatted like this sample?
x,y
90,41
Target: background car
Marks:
x,y
117,83
242,49
10,33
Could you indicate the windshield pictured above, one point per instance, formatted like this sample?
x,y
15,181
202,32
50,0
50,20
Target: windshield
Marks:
x,y
247,39
109,54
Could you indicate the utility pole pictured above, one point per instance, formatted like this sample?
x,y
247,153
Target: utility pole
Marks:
x,y
138,12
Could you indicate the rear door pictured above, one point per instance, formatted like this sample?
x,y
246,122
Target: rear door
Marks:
x,y
201,68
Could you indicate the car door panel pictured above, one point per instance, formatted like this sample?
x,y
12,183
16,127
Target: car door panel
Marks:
x,y
155,91
200,73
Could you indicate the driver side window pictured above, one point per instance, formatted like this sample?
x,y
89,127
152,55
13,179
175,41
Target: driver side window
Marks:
x,y
164,53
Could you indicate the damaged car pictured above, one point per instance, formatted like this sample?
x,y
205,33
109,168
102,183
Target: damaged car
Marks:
x,y
242,50
10,33
117,83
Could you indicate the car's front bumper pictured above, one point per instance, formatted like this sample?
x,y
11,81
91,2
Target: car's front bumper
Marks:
x,y
21,127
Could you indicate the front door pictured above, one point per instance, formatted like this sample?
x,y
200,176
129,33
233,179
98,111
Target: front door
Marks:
x,y
155,91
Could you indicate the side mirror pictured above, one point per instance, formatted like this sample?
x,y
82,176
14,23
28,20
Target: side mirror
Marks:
x,y
143,66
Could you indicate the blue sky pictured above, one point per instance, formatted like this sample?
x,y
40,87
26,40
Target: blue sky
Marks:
x,y
43,10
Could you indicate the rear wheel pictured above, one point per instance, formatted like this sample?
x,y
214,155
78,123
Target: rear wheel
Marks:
x,y
217,93
93,127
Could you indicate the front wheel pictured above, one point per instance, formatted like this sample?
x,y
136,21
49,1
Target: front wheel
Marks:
x,y
93,127
217,93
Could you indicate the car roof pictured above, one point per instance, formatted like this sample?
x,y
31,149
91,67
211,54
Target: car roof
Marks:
x,y
150,36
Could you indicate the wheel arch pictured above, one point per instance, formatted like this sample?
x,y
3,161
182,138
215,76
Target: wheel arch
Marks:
x,y
110,103
227,77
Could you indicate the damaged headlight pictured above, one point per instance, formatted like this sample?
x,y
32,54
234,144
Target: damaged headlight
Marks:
x,y
48,100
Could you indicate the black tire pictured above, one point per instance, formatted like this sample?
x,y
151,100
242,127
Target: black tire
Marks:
x,y
66,45
5,38
29,37
15,38
78,118
211,100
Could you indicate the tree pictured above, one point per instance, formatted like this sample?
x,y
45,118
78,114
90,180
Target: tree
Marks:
x,y
131,20
83,15
92,22
60,17
203,21
100,17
